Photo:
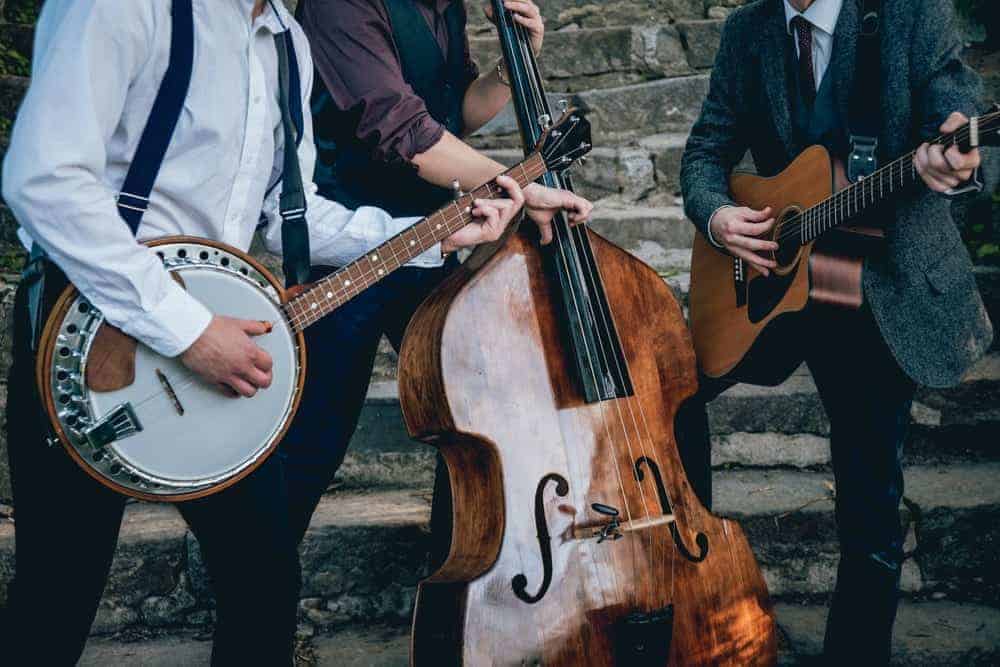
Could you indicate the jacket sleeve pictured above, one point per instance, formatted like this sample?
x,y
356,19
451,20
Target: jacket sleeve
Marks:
x,y
717,141
942,82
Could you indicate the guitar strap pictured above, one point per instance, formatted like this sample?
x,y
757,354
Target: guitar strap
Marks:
x,y
292,203
866,96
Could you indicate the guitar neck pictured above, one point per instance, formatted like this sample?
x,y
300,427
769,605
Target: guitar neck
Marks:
x,y
328,294
892,179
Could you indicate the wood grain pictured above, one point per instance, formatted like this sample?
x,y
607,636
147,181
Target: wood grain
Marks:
x,y
722,330
482,368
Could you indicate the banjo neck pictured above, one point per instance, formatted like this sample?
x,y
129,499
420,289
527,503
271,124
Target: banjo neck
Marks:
x,y
328,294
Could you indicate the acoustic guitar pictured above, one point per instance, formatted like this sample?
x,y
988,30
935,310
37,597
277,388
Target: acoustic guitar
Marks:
x,y
739,317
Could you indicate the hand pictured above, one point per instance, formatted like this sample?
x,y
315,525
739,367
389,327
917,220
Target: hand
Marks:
x,y
542,203
527,14
496,214
737,229
225,355
943,169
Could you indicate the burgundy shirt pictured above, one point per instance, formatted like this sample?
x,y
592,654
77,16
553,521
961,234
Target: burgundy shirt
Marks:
x,y
357,59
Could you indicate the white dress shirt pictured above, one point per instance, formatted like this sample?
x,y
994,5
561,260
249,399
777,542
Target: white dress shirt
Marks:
x,y
822,15
97,67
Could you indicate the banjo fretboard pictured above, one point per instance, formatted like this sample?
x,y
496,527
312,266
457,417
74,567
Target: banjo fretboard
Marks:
x,y
331,292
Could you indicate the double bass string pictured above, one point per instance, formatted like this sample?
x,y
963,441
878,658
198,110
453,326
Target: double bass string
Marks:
x,y
528,58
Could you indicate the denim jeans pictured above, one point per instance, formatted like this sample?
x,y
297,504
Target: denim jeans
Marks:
x,y
867,398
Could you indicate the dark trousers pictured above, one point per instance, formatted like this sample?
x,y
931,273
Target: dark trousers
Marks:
x,y
342,350
867,398
67,529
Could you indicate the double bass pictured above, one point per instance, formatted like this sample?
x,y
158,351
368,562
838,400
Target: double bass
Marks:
x,y
549,378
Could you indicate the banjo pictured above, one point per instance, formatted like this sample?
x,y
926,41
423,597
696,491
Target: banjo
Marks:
x,y
147,426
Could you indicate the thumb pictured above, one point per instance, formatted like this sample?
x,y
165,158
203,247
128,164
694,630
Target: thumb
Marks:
x,y
758,216
255,327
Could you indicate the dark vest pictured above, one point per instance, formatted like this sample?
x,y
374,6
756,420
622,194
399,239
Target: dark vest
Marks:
x,y
345,170
820,124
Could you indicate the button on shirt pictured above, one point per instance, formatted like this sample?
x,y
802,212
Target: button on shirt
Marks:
x,y
97,68
822,15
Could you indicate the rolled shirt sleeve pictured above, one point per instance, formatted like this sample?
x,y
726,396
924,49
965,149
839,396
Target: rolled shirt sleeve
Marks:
x,y
356,57
87,54
337,234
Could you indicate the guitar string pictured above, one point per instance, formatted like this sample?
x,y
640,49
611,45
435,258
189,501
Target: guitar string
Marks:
x,y
844,199
849,195
565,248
598,556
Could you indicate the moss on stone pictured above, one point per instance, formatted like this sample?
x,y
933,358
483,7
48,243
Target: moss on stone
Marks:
x,y
22,11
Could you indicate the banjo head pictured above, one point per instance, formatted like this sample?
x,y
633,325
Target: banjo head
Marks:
x,y
169,435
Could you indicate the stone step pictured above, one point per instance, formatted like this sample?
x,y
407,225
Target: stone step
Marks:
x,y
158,581
575,60
619,114
760,427
575,14
628,173
927,634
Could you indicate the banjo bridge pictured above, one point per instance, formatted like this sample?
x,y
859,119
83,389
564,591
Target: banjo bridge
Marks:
x,y
120,423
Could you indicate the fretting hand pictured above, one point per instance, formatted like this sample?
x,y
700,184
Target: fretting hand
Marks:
x,y
542,203
528,15
943,169
493,217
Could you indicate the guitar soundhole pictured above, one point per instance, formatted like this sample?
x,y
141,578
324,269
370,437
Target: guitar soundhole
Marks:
x,y
787,251
788,240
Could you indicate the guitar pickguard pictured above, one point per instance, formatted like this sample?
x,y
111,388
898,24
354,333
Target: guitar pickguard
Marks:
x,y
765,293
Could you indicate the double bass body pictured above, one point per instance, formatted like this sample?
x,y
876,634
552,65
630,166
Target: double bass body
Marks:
x,y
541,570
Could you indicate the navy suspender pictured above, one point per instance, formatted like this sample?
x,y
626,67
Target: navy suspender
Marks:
x,y
292,204
133,200
134,196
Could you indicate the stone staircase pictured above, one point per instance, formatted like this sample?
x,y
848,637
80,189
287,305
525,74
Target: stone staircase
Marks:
x,y
639,69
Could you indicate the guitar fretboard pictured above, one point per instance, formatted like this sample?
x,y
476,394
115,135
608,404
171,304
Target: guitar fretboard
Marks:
x,y
882,184
331,292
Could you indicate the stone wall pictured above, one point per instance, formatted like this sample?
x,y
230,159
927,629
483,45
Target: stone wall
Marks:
x,y
627,42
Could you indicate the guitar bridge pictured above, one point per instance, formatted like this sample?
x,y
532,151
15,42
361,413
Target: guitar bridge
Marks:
x,y
118,424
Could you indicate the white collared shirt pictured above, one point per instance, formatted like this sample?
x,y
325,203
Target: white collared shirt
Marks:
x,y
97,68
823,15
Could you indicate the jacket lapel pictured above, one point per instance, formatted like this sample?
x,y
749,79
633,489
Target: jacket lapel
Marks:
x,y
775,74
841,68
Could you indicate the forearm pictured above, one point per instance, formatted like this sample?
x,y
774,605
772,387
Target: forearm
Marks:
x,y
451,159
484,99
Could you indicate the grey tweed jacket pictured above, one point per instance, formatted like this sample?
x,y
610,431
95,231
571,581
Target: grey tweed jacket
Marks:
x,y
922,291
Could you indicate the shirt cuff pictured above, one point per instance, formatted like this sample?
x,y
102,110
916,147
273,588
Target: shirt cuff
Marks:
x,y
173,325
974,184
708,227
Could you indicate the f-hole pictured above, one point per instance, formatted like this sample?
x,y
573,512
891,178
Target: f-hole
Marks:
x,y
700,539
520,582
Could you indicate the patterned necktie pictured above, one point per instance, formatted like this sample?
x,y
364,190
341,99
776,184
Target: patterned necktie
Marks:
x,y
807,78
